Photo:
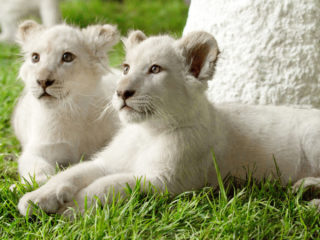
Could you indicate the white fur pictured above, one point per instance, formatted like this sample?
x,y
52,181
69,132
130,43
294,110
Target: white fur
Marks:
x,y
171,128
270,50
13,11
74,121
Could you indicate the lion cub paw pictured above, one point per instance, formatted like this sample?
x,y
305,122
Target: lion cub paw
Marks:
x,y
46,202
47,198
309,182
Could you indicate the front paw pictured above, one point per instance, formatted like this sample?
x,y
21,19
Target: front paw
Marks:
x,y
308,182
79,204
46,202
49,198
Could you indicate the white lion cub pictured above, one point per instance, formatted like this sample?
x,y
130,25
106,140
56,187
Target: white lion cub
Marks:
x,y
12,11
60,115
171,129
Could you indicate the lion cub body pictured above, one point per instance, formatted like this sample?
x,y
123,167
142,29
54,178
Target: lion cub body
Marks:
x,y
171,130
67,120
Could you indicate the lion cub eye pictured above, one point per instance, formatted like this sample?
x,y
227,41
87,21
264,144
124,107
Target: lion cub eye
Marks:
x,y
35,57
126,68
155,69
68,57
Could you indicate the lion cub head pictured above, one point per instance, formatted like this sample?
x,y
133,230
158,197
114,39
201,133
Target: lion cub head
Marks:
x,y
63,62
163,78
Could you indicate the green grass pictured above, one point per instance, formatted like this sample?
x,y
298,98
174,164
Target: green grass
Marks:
x,y
246,211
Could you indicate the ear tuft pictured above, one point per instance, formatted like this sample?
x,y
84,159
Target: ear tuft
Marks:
x,y
133,39
26,29
101,38
200,50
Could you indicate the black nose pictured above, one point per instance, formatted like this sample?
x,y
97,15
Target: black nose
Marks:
x,y
126,94
45,83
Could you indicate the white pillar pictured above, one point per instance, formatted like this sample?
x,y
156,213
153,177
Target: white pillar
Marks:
x,y
270,49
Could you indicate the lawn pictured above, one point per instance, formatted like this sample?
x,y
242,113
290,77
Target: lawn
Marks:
x,y
248,210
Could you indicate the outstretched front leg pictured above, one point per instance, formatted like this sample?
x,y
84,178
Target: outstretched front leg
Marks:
x,y
105,188
62,187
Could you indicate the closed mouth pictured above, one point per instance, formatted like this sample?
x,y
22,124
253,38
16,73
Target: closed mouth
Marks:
x,y
45,95
126,107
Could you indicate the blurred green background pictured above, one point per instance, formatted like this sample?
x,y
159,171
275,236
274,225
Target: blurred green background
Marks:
x,y
150,16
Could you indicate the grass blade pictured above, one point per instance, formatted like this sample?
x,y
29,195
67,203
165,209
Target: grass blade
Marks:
x,y
220,182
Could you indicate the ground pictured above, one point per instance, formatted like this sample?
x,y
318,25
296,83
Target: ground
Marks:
x,y
248,210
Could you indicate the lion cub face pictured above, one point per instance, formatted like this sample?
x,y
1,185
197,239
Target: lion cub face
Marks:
x,y
163,77
63,62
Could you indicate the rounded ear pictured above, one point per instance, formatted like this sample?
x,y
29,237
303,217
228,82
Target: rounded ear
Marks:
x,y
133,39
26,29
101,38
200,50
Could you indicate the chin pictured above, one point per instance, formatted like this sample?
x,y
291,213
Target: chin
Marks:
x,y
131,116
49,101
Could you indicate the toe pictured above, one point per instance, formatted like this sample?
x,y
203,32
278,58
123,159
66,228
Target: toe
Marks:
x,y
25,206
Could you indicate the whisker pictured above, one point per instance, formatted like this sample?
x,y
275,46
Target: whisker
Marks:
x,y
105,111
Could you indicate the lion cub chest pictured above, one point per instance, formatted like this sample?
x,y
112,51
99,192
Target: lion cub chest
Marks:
x,y
70,135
